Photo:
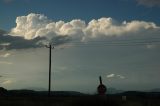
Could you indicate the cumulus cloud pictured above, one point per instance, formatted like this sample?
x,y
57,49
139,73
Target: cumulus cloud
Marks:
x,y
38,25
149,3
35,30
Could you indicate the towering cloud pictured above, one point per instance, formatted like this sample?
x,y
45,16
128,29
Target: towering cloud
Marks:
x,y
33,30
38,25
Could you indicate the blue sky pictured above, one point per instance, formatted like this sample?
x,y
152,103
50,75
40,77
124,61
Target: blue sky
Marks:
x,y
72,9
117,39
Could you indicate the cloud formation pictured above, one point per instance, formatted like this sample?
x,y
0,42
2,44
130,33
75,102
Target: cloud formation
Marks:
x,y
149,3
8,42
110,75
115,76
120,76
38,25
35,30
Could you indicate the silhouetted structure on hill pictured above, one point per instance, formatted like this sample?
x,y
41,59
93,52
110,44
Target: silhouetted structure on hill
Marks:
x,y
101,88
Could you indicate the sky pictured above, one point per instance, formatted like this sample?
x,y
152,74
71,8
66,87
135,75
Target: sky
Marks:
x,y
117,39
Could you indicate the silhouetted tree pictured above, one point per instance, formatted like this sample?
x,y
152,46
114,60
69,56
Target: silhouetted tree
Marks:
x,y
3,91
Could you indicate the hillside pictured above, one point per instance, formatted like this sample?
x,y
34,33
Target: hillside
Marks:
x,y
72,98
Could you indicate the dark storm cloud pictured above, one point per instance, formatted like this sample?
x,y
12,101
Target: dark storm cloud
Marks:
x,y
149,3
8,42
2,32
60,40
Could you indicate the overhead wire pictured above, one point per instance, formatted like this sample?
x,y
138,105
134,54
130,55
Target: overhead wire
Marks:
x,y
122,42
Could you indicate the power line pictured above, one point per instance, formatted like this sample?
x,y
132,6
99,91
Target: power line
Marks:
x,y
120,40
128,42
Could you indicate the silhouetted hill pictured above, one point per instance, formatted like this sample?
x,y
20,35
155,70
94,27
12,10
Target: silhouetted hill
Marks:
x,y
42,93
113,91
71,98
3,91
134,93
141,94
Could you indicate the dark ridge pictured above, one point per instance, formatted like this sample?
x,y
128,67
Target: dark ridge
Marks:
x,y
42,93
27,97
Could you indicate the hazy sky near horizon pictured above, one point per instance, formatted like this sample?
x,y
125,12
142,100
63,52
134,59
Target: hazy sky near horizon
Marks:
x,y
117,39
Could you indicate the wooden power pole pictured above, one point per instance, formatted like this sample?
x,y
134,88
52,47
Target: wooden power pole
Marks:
x,y
50,54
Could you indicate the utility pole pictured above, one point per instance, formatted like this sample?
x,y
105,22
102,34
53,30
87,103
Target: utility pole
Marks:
x,y
100,80
49,84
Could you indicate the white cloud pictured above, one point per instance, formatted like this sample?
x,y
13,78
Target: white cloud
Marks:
x,y
110,75
120,76
38,25
34,25
5,55
115,76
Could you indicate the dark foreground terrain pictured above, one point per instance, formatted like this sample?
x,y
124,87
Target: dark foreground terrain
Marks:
x,y
33,98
